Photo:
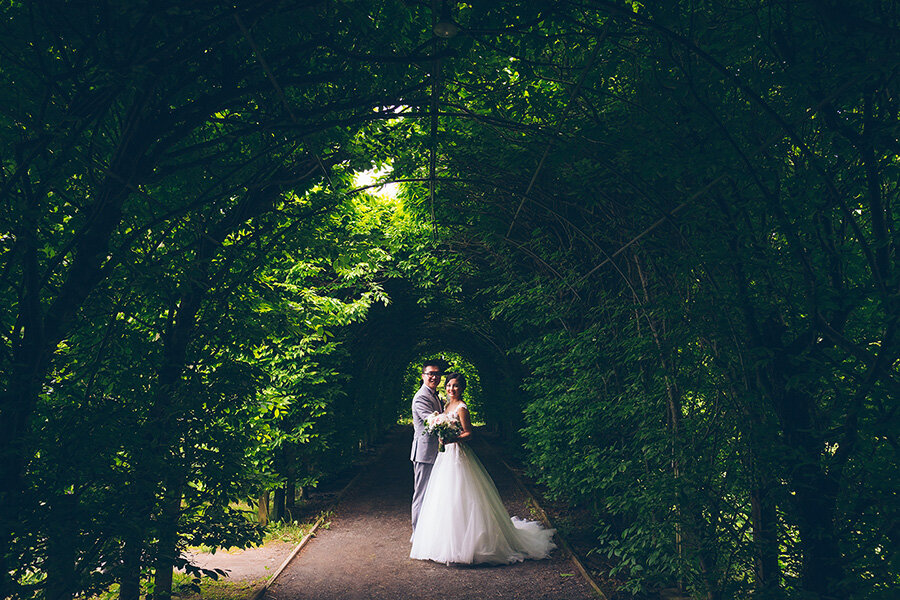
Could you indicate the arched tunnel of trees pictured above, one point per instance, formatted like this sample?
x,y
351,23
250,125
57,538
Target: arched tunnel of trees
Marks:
x,y
402,334
664,235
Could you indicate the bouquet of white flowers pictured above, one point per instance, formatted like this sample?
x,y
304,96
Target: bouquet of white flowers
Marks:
x,y
443,426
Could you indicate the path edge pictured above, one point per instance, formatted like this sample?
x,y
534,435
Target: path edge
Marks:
x,y
258,594
563,545
542,514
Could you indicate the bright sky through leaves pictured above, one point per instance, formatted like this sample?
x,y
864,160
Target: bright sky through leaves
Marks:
x,y
365,178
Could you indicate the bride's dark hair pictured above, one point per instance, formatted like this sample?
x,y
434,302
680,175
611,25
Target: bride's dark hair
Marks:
x,y
460,379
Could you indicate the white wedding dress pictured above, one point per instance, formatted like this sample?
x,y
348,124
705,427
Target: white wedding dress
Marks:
x,y
463,520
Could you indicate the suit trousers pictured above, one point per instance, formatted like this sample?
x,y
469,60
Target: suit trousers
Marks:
x,y
421,473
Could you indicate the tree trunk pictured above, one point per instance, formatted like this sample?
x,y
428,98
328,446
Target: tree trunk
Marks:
x,y
41,330
15,406
168,540
761,435
61,544
765,540
290,492
262,511
17,402
815,497
130,579
278,505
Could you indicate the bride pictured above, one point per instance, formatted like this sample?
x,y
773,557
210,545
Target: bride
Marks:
x,y
462,519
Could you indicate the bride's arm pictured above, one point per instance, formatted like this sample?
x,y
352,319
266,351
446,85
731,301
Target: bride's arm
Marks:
x,y
466,424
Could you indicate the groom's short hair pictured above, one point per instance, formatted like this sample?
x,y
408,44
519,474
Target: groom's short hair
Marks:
x,y
434,362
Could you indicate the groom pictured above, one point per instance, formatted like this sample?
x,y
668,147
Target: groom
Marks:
x,y
424,447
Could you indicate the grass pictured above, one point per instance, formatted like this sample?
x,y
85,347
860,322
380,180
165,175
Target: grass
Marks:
x,y
185,587
294,531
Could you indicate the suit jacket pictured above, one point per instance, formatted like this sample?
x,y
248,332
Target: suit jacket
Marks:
x,y
424,447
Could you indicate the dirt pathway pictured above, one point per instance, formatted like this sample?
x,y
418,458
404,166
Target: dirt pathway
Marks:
x,y
365,552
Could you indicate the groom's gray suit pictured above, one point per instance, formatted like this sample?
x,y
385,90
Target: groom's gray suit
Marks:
x,y
424,447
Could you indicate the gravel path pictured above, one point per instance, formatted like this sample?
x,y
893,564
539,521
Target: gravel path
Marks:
x,y
365,552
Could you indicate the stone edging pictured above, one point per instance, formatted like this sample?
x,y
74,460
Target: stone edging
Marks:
x,y
563,545
258,594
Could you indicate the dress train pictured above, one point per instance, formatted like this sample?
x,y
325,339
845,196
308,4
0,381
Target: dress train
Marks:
x,y
463,520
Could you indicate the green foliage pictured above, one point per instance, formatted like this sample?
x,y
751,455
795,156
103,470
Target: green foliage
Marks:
x,y
691,279
661,243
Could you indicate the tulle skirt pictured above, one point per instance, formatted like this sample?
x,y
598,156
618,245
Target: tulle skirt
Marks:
x,y
463,520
